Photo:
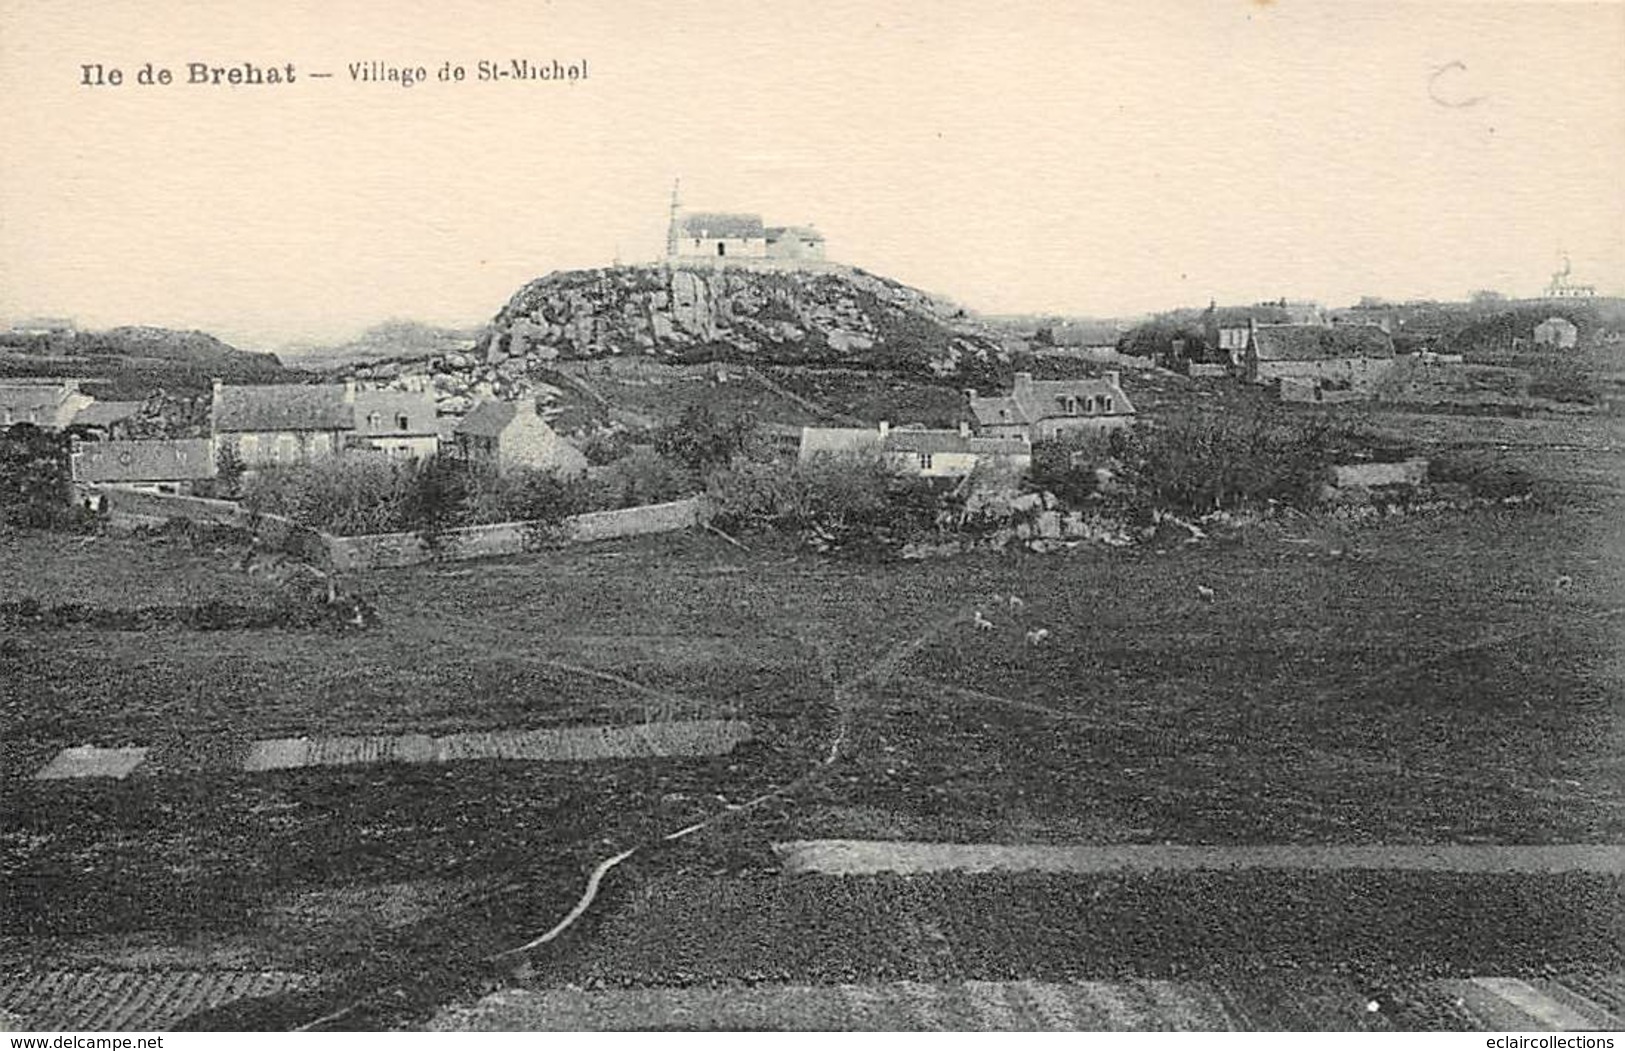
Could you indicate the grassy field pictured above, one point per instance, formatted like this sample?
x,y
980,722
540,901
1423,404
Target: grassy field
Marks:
x,y
1447,678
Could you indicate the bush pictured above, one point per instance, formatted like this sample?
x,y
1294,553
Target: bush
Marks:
x,y
1066,467
349,497
848,501
701,441
642,477
35,482
1226,461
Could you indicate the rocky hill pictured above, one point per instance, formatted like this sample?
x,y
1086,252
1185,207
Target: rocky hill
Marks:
x,y
832,317
653,326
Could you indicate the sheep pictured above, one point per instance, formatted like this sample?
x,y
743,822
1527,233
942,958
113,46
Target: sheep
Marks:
x,y
981,622
1016,603
1205,592
1037,637
1563,583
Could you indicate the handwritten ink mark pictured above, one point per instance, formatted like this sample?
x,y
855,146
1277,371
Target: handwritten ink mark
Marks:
x,y
1433,87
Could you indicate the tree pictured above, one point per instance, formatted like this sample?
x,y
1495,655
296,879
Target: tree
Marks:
x,y
36,482
702,441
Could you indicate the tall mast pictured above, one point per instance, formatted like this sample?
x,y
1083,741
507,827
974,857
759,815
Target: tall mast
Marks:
x,y
671,227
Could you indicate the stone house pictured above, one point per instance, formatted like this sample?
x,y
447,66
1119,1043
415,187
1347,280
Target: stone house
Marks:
x,y
1557,332
48,403
161,465
794,242
511,435
283,423
1043,410
1344,354
918,451
400,424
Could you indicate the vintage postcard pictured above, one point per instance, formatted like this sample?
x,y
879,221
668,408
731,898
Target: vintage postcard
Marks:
x,y
859,516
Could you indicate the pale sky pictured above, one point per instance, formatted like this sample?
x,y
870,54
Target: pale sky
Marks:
x,y
1098,158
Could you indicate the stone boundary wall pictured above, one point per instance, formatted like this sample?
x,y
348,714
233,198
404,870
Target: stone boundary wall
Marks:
x,y
144,507
388,550
392,550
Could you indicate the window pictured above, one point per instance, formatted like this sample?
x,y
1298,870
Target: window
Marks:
x,y
722,249
1106,403
401,422
925,461
373,420
287,448
1071,406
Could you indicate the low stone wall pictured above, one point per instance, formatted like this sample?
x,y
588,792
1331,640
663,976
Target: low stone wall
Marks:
x,y
392,550
118,499
142,507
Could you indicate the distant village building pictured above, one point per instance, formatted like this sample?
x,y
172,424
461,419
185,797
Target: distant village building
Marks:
x,y
918,451
510,435
1078,339
43,326
722,236
48,403
400,424
1557,332
1560,287
1042,410
165,466
1344,354
285,423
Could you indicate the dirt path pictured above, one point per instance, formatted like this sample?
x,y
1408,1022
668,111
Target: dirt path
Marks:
x,y
849,857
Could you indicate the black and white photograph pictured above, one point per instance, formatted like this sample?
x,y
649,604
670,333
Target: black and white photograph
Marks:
x,y
896,516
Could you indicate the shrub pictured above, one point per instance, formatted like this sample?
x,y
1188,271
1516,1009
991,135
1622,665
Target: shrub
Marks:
x,y
702,441
847,501
36,490
1226,461
642,477
344,496
1066,466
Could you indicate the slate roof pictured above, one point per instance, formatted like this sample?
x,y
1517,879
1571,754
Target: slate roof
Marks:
x,y
282,407
105,413
173,460
906,441
815,440
488,419
21,397
388,405
1084,335
1321,343
1035,400
721,224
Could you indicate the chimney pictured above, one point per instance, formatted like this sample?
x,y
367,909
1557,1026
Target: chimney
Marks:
x,y
964,428
970,392
1113,378
1023,382
885,428
217,385
349,392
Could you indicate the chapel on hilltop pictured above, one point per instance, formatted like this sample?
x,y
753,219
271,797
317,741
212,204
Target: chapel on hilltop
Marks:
x,y
726,236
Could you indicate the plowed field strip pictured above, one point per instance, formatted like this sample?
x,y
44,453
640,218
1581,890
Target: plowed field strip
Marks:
x,y
866,857
568,744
